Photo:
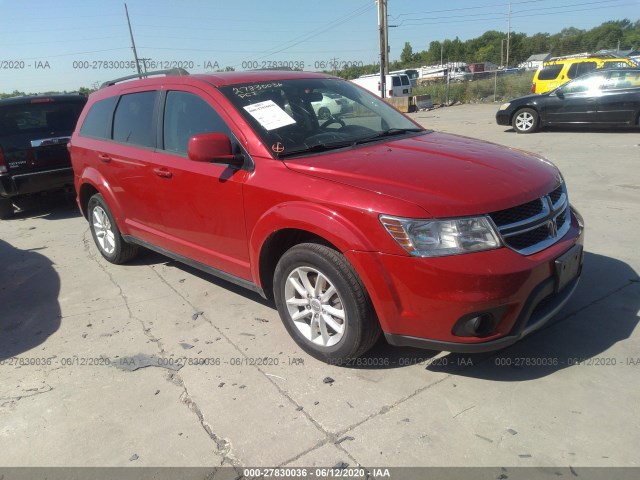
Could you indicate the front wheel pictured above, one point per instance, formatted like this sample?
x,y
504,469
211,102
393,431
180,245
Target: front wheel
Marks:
x,y
106,234
323,304
525,121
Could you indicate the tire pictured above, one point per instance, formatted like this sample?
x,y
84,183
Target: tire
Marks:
x,y
525,121
106,234
6,208
338,327
324,113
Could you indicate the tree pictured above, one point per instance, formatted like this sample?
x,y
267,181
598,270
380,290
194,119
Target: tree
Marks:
x,y
407,57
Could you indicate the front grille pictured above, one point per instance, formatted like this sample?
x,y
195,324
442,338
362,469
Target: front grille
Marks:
x,y
517,214
536,225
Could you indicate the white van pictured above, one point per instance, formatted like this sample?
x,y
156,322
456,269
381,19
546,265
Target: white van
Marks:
x,y
397,85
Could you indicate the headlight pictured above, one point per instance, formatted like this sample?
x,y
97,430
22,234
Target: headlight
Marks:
x,y
504,106
436,238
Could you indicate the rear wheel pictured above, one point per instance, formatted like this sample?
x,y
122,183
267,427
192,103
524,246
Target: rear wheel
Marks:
x,y
106,234
6,208
323,303
525,121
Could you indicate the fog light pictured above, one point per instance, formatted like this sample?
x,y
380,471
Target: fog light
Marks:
x,y
478,324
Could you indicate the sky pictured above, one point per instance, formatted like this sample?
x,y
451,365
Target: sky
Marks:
x,y
67,44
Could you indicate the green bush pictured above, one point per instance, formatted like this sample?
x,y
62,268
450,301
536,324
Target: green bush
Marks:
x,y
478,91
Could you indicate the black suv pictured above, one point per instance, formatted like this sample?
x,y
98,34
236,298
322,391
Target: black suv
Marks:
x,y
34,132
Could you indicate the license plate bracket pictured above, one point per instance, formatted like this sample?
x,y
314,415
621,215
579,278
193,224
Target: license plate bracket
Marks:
x,y
568,266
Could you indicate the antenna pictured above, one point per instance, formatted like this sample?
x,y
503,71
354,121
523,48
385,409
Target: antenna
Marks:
x,y
133,44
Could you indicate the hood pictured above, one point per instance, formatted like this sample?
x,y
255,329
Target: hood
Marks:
x,y
528,98
447,175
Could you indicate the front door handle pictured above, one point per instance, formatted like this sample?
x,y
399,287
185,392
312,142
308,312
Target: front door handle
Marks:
x,y
104,158
163,172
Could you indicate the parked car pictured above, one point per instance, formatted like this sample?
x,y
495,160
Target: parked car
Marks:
x,y
34,132
326,107
353,226
396,85
346,105
608,97
559,70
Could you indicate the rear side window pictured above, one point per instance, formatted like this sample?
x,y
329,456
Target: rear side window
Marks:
x,y
133,120
581,68
615,64
622,80
550,72
97,123
395,81
186,115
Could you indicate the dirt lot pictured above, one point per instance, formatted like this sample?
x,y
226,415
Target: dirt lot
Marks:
x,y
156,364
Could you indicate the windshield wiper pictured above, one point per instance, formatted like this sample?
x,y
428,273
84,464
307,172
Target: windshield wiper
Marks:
x,y
318,147
389,133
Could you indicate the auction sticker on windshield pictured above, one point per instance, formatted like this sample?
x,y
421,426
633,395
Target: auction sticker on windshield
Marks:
x,y
269,115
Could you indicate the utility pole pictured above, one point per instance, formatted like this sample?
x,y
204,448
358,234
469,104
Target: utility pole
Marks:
x,y
508,34
133,44
384,48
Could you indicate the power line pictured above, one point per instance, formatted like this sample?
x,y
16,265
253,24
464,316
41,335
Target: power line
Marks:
x,y
477,7
314,33
503,16
476,15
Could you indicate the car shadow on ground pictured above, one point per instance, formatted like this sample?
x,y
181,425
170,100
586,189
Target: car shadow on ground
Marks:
x,y
580,332
582,129
52,206
29,308
585,328
149,258
603,312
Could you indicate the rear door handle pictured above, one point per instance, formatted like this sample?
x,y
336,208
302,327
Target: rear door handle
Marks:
x,y
104,158
162,172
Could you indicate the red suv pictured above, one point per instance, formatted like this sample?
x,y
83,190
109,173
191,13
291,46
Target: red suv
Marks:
x,y
353,224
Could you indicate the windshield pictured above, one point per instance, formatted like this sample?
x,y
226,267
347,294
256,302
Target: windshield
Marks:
x,y
295,117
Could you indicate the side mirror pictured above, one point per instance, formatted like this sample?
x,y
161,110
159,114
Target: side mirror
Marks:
x,y
559,93
213,148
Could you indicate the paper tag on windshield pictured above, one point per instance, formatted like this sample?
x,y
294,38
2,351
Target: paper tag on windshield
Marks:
x,y
269,115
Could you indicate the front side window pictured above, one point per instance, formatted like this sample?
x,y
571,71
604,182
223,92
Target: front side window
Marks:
x,y
588,84
133,120
186,115
304,116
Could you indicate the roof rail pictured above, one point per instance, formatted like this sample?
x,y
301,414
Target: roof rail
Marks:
x,y
584,55
179,72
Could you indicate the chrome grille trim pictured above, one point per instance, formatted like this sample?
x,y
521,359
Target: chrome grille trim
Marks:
x,y
540,231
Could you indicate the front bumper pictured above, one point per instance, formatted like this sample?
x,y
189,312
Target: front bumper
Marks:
x,y
503,117
421,301
26,183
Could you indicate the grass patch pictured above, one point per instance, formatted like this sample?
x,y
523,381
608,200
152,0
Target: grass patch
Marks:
x,y
479,91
